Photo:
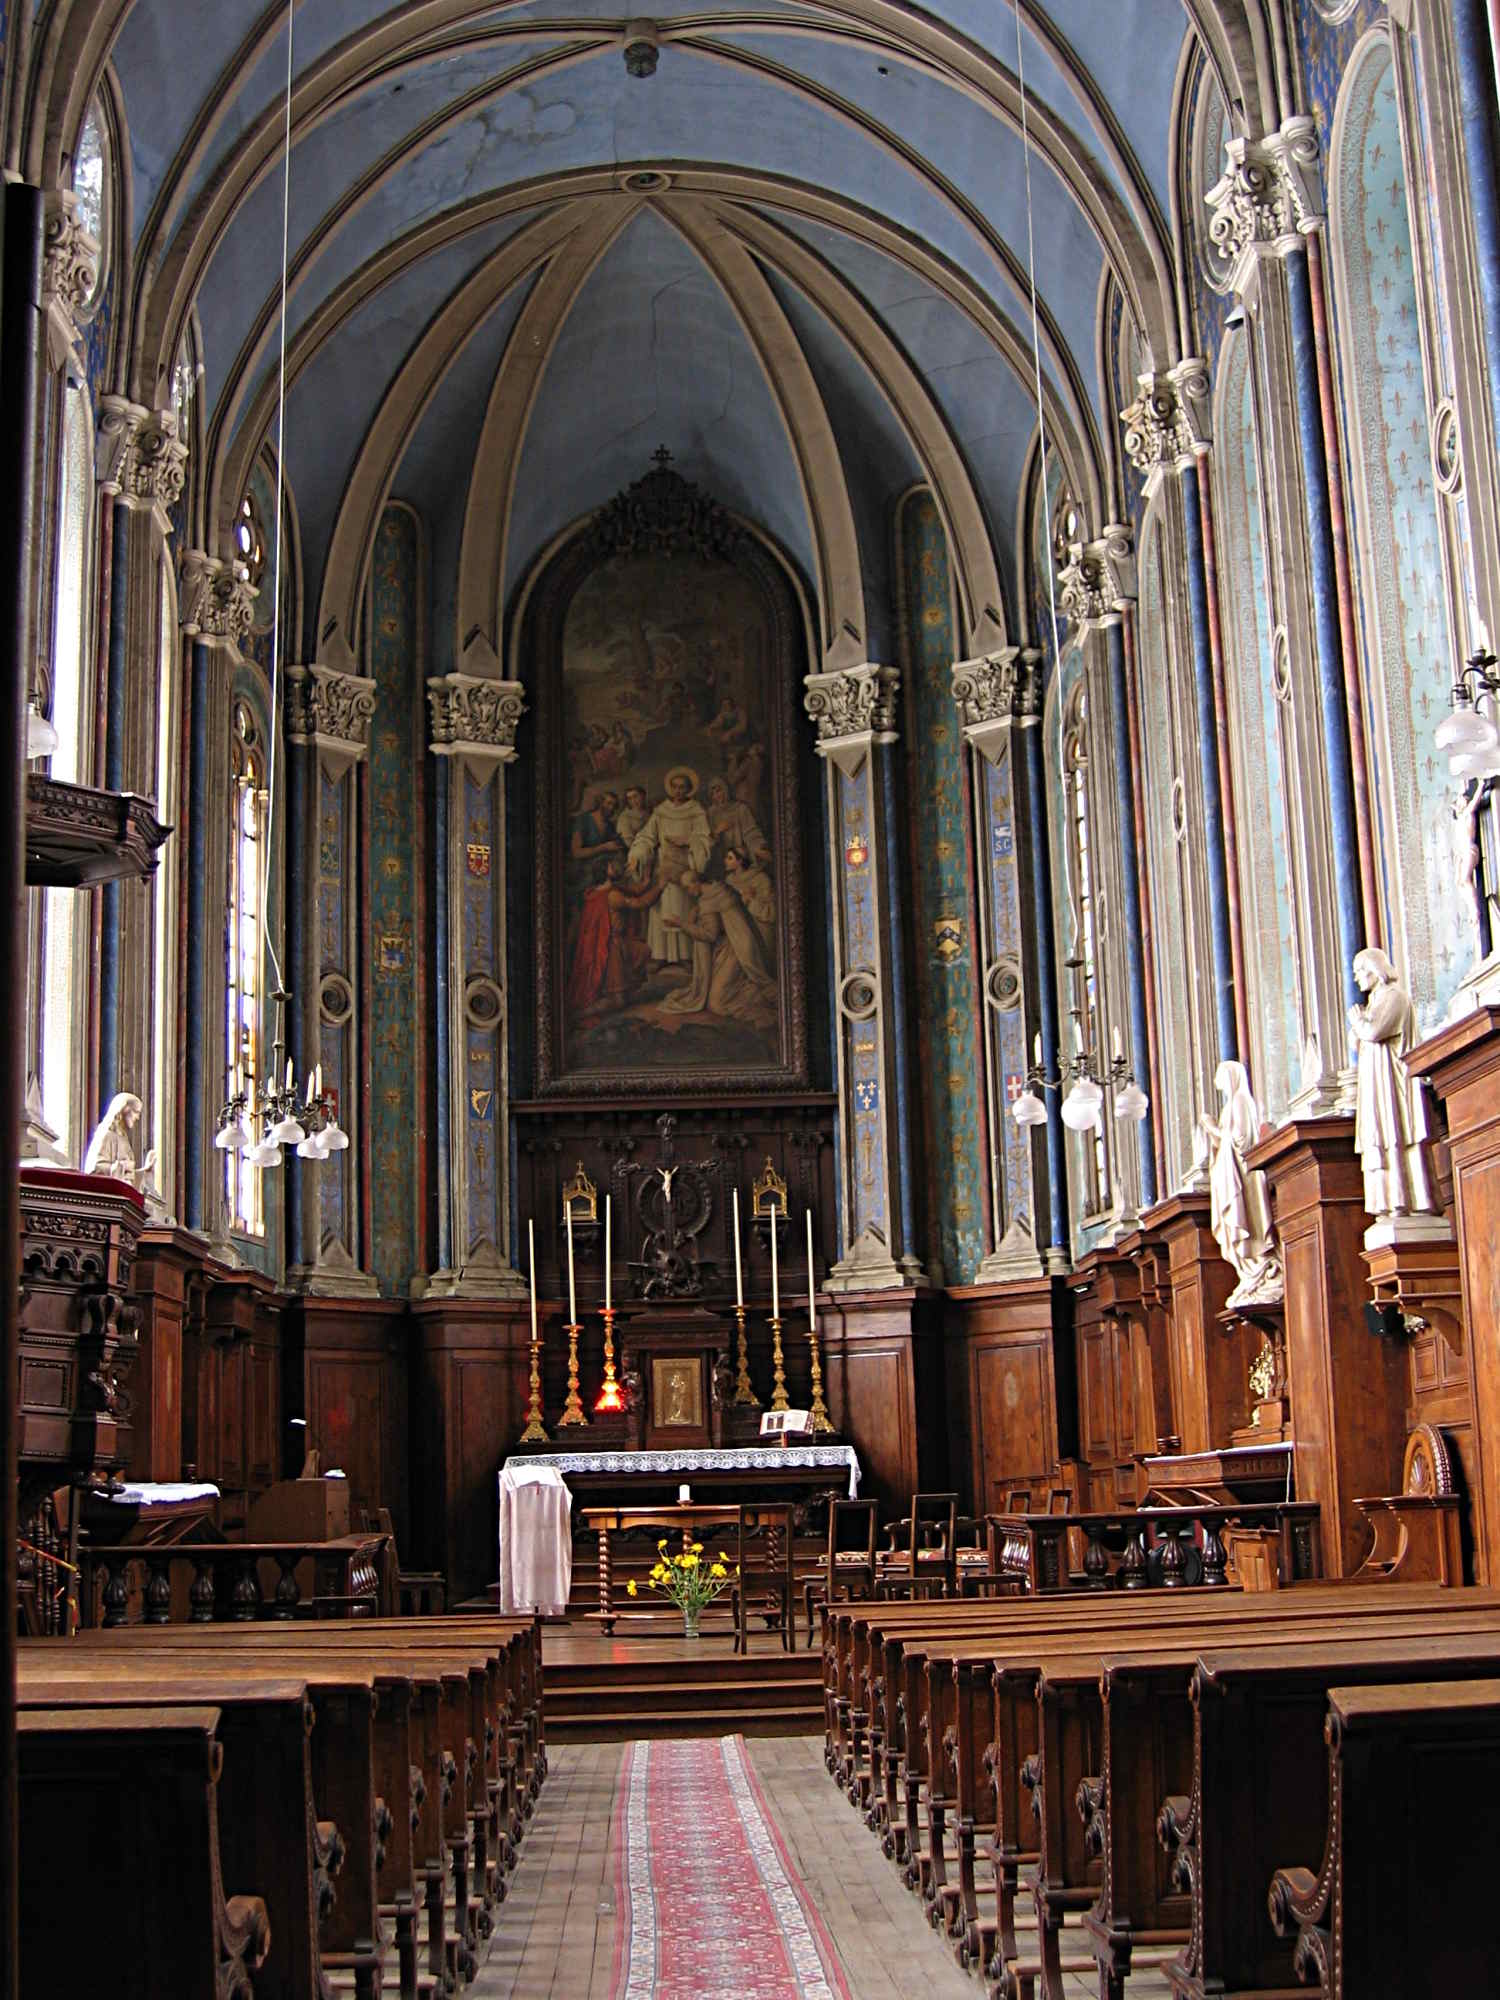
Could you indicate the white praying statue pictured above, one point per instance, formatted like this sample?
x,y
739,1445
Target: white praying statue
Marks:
x,y
112,1149
1390,1119
1239,1206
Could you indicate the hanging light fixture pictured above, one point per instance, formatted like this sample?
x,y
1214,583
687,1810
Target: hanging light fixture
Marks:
x,y
1469,738
279,1112
1083,1105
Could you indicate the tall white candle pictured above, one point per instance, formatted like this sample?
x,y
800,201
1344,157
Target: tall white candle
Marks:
x,y
607,1241
739,1280
531,1246
812,1310
572,1301
775,1292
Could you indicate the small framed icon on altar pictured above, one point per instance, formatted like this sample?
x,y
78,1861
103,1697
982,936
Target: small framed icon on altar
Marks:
x,y
677,1392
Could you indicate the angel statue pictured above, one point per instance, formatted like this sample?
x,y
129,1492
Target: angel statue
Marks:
x,y
112,1148
1390,1119
1239,1207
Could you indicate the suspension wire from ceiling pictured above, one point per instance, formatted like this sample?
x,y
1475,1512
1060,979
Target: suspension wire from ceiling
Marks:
x,y
275,729
1036,341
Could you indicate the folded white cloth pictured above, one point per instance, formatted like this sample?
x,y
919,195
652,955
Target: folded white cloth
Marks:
x,y
151,1493
536,1540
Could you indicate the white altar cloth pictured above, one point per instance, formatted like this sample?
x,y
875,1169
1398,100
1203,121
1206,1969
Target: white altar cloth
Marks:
x,y
536,1539
727,1458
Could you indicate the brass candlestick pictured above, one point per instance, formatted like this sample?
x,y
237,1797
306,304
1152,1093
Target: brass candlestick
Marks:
x,y
611,1397
778,1377
743,1393
534,1433
821,1422
573,1406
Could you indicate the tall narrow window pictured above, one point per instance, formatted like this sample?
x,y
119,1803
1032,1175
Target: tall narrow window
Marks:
x,y
62,959
164,895
243,994
1084,998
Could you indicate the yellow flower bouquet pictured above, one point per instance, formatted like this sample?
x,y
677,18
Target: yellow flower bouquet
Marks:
x,y
688,1581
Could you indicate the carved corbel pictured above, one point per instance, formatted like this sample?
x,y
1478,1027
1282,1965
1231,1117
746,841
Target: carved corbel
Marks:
x,y
1098,578
140,458
70,271
330,710
218,599
1167,426
995,693
1268,199
853,710
475,717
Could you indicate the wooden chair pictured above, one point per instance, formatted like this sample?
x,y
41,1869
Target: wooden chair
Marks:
x,y
419,1593
971,1554
928,1562
1018,1499
847,1569
764,1587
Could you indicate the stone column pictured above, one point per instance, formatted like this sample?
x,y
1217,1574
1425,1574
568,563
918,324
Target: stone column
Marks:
x,y
328,715
474,724
996,697
854,713
141,467
1266,210
1097,588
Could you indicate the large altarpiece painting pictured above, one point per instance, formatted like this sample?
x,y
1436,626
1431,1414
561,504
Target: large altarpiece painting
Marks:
x,y
669,918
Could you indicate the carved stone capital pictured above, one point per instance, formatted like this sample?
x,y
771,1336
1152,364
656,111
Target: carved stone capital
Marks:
x,y
140,457
1269,198
218,599
1168,423
1098,578
852,710
70,270
475,718
996,692
330,710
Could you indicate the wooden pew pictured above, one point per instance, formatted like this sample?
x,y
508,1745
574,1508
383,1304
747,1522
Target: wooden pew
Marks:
x,y
1072,1692
1260,1788
476,1762
1378,1916
121,1890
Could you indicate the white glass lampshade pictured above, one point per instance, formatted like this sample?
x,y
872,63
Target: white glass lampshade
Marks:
x,y
232,1138
41,738
286,1132
310,1148
335,1139
1132,1102
1480,762
265,1153
1464,728
1080,1108
1028,1109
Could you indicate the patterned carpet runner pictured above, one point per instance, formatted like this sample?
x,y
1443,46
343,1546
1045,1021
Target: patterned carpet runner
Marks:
x,y
709,1901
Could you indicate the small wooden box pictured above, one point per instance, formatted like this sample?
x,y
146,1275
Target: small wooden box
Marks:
x,y
300,1510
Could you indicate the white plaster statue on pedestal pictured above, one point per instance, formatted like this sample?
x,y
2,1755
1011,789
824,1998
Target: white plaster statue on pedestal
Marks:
x,y
1390,1119
112,1148
1239,1206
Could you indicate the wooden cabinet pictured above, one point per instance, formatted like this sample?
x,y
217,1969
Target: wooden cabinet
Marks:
x,y
1002,1392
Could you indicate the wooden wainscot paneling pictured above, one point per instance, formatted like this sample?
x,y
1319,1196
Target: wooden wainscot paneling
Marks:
x,y
347,1374
1148,1319
1462,1064
1347,1389
882,1367
1002,1392
235,1382
1210,1363
1106,1292
470,1362
166,1264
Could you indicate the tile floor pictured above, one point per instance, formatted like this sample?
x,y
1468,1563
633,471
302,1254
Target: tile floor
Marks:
x,y
555,1934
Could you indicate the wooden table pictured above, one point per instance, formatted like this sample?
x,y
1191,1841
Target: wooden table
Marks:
x,y
607,1521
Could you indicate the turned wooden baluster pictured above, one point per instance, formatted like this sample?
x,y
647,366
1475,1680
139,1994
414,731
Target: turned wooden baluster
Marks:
x,y
201,1591
158,1589
288,1596
1095,1559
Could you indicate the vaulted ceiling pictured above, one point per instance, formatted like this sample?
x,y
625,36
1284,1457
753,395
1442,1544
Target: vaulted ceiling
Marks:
x,y
796,254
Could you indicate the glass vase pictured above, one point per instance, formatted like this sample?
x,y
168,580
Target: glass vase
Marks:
x,y
690,1614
